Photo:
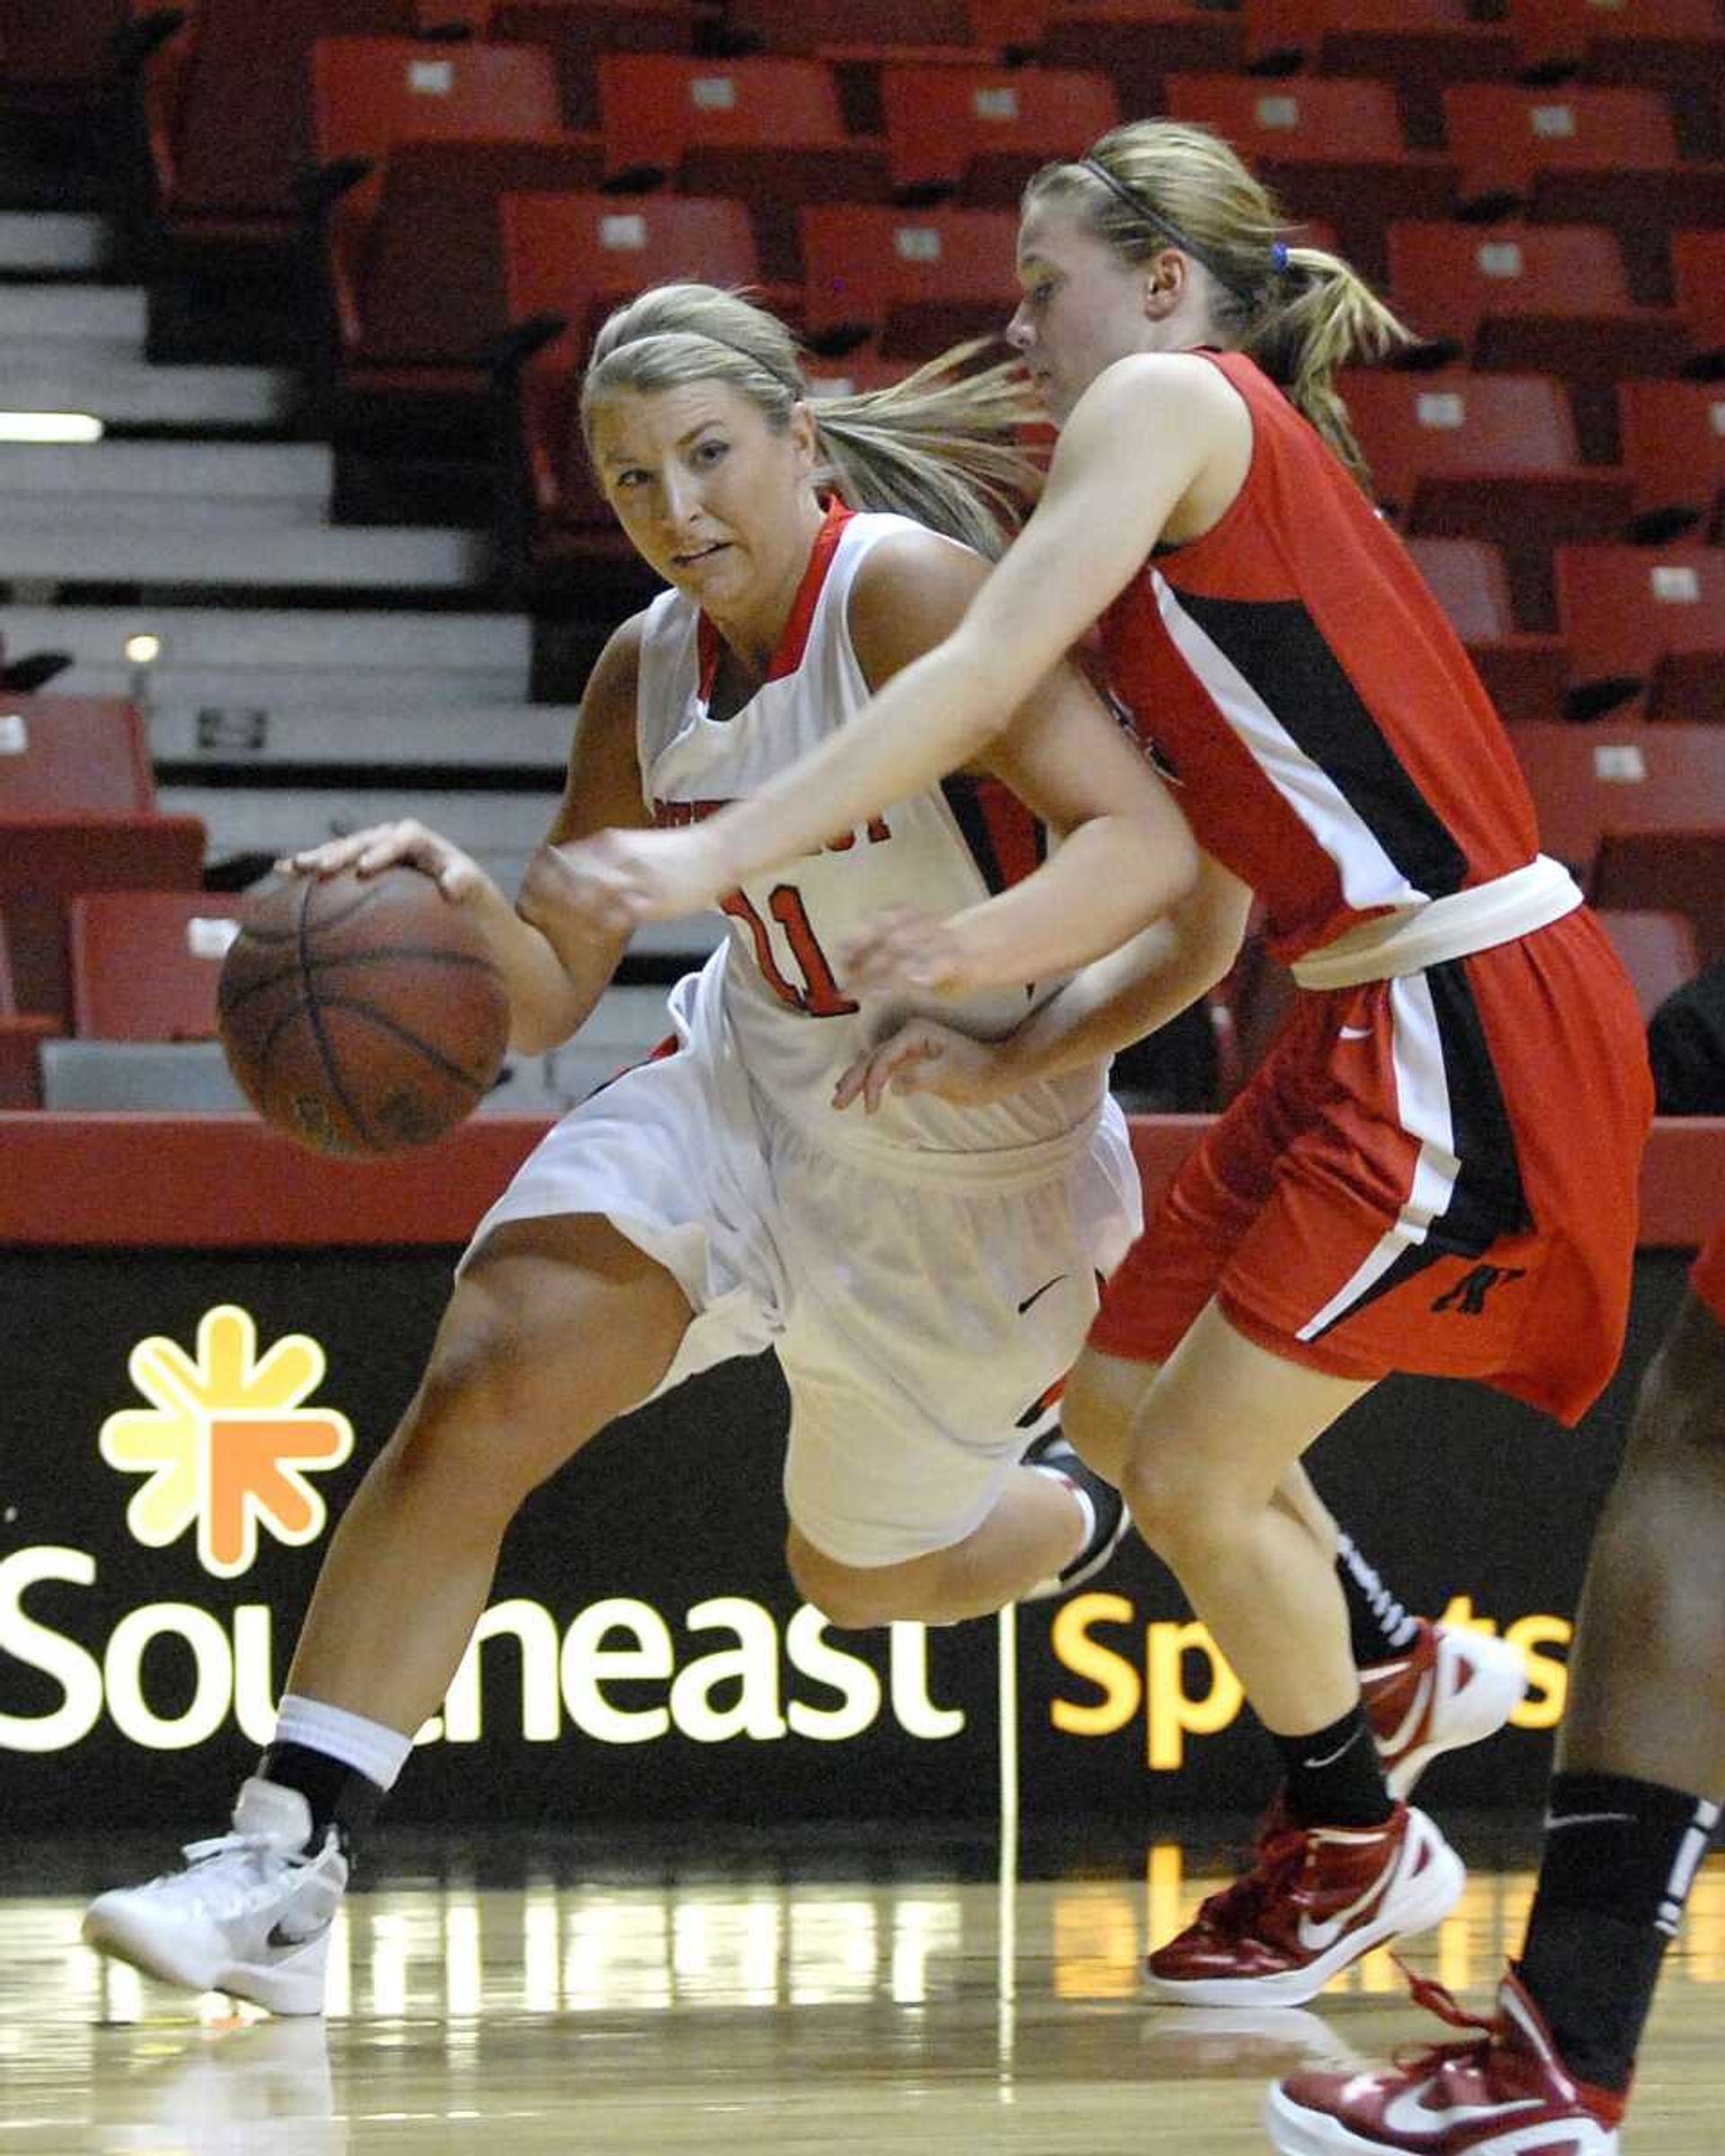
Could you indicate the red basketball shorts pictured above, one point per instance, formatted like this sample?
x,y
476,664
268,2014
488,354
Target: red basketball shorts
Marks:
x,y
1435,1174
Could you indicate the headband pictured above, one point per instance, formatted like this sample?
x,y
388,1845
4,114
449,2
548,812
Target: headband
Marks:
x,y
1139,206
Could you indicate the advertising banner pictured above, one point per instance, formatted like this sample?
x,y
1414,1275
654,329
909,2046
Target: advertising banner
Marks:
x,y
181,1429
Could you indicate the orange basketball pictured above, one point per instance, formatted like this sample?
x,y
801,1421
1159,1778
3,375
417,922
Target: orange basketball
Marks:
x,y
361,1014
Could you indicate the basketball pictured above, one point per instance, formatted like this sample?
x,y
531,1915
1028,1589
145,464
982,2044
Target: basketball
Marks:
x,y
361,1015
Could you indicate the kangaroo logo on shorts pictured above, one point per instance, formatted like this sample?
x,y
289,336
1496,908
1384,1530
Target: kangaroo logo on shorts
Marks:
x,y
1467,1297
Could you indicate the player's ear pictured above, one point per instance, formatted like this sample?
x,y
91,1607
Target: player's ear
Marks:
x,y
804,437
1164,280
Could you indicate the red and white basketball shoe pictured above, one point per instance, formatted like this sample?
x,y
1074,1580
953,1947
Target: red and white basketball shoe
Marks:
x,y
1452,1687
1317,1899
1505,2092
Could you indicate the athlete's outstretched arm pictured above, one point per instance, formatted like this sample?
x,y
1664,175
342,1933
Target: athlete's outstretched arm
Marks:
x,y
1140,436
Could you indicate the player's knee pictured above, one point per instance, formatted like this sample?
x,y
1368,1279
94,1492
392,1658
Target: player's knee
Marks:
x,y
477,1394
1178,1508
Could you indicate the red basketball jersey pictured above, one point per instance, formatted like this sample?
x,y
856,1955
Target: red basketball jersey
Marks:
x,y
1330,740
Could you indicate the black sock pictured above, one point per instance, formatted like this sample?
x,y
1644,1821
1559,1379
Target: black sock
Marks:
x,y
340,1795
1334,1775
1619,1860
1378,1627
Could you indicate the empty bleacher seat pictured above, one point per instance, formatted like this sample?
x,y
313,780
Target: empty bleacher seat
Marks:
x,y
230,110
1549,299
1698,282
1657,950
1648,624
72,753
813,27
1330,149
1673,437
1523,671
914,281
1582,154
46,859
768,130
1681,871
1588,780
575,32
441,132
1655,44
1486,456
1417,45
1138,44
977,134
144,963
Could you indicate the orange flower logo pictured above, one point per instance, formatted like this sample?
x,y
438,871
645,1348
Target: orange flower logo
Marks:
x,y
226,1443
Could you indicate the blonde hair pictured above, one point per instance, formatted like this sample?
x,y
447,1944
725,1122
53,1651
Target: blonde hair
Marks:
x,y
942,446
1301,313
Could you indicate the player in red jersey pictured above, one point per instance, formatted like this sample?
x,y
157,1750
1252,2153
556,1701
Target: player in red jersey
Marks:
x,y
1435,1172
1635,1799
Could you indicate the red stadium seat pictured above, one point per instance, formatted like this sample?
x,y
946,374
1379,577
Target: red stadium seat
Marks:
x,y
914,281
1698,277
1139,43
21,1078
1486,456
768,130
144,963
1658,952
72,753
1417,45
1588,780
978,134
46,859
412,250
1655,44
58,58
1547,299
1583,155
1645,624
1680,872
1522,673
1674,450
1330,149
231,130
812,27
576,257
575,32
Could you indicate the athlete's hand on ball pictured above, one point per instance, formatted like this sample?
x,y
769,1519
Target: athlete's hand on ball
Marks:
x,y
904,950
616,878
923,1056
379,846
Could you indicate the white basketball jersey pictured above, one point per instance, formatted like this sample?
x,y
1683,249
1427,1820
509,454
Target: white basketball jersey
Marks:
x,y
939,850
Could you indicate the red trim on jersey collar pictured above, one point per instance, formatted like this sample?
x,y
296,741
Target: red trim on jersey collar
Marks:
x,y
793,638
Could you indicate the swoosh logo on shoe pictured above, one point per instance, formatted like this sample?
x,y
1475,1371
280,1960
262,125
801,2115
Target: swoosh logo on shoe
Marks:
x,y
1411,1721
284,1941
1319,1938
1040,1292
1406,2114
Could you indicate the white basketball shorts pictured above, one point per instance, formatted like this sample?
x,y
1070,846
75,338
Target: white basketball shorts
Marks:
x,y
919,1321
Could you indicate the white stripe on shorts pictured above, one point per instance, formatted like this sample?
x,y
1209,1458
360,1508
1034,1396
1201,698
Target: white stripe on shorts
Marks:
x,y
1422,1105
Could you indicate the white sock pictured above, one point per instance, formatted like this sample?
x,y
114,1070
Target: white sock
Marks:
x,y
368,1747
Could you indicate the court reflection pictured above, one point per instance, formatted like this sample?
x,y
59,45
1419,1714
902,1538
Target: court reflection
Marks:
x,y
460,2013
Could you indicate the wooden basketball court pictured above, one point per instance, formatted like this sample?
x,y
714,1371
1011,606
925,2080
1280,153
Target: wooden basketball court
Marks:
x,y
524,1996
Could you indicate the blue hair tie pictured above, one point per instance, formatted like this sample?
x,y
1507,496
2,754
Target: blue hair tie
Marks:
x,y
1278,257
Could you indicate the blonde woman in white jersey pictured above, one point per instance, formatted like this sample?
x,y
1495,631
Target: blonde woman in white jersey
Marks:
x,y
710,1203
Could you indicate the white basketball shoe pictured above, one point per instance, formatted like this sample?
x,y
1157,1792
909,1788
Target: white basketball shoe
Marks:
x,y
249,1914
